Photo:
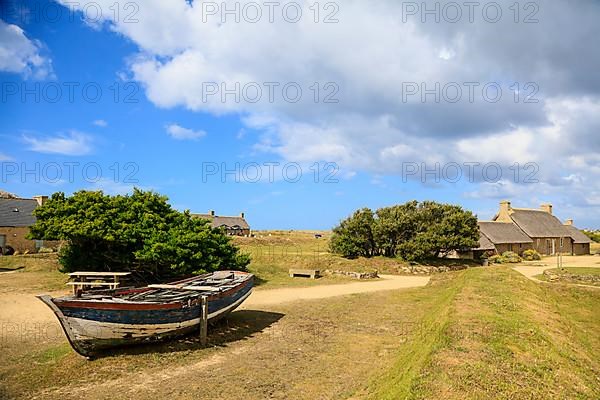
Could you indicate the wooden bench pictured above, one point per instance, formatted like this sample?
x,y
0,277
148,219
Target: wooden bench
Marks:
x,y
308,273
82,280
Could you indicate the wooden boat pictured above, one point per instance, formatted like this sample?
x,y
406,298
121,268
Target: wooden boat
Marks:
x,y
103,319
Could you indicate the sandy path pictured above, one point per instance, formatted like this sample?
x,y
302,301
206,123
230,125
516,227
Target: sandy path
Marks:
x,y
278,296
19,308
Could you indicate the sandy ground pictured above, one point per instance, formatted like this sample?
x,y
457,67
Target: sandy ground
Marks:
x,y
539,267
17,308
387,282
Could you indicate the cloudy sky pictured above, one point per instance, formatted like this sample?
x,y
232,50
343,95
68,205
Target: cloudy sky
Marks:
x,y
298,112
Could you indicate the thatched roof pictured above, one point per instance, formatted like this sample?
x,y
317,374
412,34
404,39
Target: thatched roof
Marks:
x,y
503,232
577,235
17,212
539,224
485,243
6,195
228,222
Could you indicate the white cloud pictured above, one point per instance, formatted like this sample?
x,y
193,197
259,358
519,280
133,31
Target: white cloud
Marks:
x,y
180,133
72,144
371,54
4,157
20,55
100,122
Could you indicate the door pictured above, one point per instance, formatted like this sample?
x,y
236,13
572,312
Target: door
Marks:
x,y
549,247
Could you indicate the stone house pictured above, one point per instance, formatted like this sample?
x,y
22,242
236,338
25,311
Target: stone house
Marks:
x,y
581,242
519,229
503,236
234,226
16,216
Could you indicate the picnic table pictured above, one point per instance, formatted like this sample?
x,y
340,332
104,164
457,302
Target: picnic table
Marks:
x,y
81,280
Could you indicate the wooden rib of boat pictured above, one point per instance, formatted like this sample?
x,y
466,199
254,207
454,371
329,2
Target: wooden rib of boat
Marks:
x,y
99,320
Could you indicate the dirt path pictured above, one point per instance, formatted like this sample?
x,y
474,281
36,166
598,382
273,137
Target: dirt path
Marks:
x,y
388,282
26,308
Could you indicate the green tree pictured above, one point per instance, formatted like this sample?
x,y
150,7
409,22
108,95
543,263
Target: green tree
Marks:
x,y
353,237
393,226
413,231
440,229
138,232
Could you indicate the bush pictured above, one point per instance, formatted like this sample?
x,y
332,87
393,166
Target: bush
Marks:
x,y
531,255
413,231
139,233
511,257
43,250
495,259
508,257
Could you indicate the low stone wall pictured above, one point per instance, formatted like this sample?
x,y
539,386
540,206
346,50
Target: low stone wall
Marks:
x,y
573,278
428,269
355,275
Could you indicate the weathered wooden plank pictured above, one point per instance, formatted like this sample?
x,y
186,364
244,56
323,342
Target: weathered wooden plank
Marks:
x,y
204,321
91,273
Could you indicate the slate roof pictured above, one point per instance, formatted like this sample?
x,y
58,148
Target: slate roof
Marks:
x,y
539,224
230,222
17,212
503,232
577,235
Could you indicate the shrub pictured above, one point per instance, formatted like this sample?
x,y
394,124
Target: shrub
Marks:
x,y
413,231
495,259
508,257
43,250
139,233
531,255
511,257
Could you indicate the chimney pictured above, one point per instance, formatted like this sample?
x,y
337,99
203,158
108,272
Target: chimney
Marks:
x,y
505,206
242,215
41,200
569,222
212,213
547,208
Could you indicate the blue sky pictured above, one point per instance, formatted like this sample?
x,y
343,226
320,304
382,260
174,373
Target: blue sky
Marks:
x,y
161,133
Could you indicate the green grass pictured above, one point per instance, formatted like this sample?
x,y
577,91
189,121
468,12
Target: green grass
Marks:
x,y
32,274
484,333
273,253
503,337
481,333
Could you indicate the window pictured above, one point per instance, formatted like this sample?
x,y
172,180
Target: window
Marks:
x,y
561,242
39,244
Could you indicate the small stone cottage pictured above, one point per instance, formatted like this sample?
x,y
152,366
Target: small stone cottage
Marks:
x,y
16,216
234,226
519,229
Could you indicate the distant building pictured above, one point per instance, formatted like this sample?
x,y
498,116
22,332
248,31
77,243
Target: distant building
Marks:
x,y
16,216
234,226
519,229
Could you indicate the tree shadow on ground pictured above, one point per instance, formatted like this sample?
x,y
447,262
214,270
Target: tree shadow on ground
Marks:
x,y
237,326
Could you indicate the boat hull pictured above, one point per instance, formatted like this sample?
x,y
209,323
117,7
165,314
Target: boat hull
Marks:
x,y
92,327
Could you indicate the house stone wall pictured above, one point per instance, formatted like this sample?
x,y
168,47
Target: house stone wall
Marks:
x,y
518,248
16,238
540,245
